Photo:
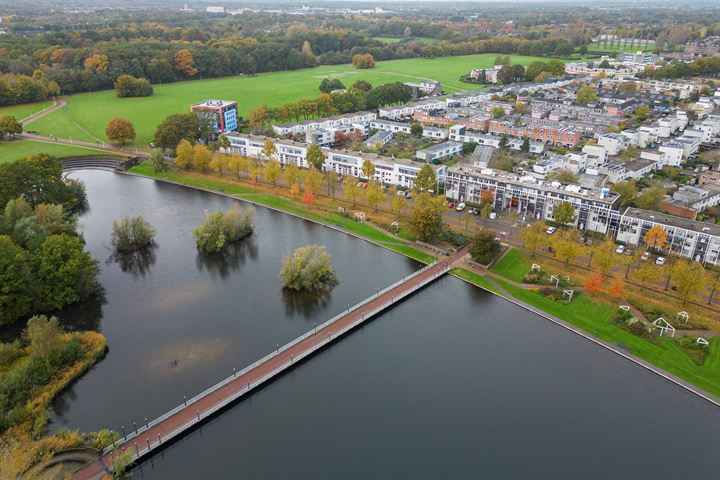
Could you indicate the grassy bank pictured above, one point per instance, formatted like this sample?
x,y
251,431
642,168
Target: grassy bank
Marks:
x,y
87,114
25,109
288,205
475,279
13,149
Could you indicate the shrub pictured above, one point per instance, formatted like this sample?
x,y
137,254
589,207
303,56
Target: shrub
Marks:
x,y
222,227
129,86
308,268
131,234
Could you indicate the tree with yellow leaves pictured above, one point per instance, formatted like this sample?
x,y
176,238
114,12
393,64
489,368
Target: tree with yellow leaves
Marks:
x,y
184,63
689,278
97,63
201,157
533,236
273,172
375,195
184,154
655,237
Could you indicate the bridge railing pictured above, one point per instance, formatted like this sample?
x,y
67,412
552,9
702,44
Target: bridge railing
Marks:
x,y
444,267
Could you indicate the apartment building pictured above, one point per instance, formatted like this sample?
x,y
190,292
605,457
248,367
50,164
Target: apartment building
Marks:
x,y
301,128
556,135
595,209
390,171
390,126
697,241
440,151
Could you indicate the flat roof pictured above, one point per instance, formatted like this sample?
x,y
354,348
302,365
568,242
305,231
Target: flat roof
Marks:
x,y
214,103
673,221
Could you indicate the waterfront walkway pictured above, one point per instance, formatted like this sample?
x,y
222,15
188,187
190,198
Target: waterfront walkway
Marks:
x,y
156,433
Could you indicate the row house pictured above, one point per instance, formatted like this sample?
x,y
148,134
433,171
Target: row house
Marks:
x,y
301,128
439,151
694,240
407,110
595,209
459,133
326,137
389,171
288,152
437,118
390,126
555,135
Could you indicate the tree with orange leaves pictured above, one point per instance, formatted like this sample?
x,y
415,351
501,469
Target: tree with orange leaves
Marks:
x,y
616,288
593,283
655,237
183,62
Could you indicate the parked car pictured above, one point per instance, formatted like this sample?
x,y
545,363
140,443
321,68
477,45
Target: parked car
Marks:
x,y
475,211
550,230
620,249
645,256
493,215
460,207
451,205
401,193
660,261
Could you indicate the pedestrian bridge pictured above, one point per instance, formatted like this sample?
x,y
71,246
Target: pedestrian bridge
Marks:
x,y
149,436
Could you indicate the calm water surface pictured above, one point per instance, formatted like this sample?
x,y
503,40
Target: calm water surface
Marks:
x,y
452,383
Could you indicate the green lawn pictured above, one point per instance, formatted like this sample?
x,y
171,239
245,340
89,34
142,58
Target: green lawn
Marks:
x,y
475,279
87,114
595,318
14,149
514,265
25,109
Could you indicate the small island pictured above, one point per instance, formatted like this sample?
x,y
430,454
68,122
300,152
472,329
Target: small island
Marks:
x,y
131,234
308,269
221,228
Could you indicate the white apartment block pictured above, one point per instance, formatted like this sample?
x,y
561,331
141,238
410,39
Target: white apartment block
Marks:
x,y
391,171
595,209
596,155
301,128
613,143
673,153
390,126
436,133
439,151
690,239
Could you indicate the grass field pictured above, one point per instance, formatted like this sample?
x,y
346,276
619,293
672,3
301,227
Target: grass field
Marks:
x,y
12,150
24,110
514,265
86,115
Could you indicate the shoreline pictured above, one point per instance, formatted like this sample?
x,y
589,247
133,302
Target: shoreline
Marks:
x,y
707,396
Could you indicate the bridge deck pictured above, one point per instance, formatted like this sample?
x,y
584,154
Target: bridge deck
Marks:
x,y
185,416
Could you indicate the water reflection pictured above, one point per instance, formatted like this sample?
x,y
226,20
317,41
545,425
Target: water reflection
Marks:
x,y
230,259
137,263
307,304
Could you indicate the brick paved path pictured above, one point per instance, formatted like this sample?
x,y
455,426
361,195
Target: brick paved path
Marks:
x,y
195,410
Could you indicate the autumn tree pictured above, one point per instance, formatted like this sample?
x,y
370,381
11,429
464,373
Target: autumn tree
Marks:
x,y
257,119
184,63
368,169
362,61
399,204
315,157
292,174
616,288
351,189
689,278
273,172
533,236
201,157
425,179
175,128
564,213
566,248
655,237
269,149
97,63
9,126
184,154
120,131
426,221
219,163
604,256
593,283
314,181
331,179
375,195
